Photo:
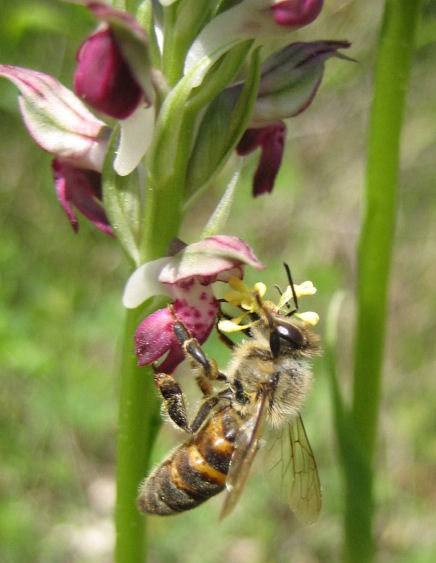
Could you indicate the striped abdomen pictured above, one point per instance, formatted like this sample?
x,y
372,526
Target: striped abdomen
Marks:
x,y
193,472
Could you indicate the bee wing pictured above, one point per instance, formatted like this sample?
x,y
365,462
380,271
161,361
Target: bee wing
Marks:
x,y
295,471
246,446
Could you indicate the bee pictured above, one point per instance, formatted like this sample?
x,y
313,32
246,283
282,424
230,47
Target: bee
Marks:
x,y
266,381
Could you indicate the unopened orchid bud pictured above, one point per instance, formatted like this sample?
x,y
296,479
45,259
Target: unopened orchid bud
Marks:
x,y
271,140
296,12
290,79
103,79
114,72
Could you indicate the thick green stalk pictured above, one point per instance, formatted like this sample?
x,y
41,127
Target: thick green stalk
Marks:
x,y
375,251
138,423
139,418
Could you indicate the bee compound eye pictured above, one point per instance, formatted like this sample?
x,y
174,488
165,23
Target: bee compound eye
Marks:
x,y
291,334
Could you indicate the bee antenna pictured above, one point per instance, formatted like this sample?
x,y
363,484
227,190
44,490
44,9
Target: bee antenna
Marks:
x,y
291,284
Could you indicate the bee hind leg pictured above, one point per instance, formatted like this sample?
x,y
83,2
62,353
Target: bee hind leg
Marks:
x,y
174,400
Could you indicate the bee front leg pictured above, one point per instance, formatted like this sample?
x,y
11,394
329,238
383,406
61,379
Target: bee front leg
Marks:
x,y
208,367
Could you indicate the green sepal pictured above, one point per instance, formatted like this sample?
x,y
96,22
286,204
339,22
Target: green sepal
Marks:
x,y
191,16
123,201
169,153
218,219
145,17
221,128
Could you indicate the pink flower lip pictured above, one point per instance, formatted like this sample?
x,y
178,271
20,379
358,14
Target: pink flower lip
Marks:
x,y
155,335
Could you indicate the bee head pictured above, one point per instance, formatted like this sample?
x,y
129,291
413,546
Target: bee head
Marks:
x,y
284,334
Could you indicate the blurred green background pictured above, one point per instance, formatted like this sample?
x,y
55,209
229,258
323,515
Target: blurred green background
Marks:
x,y
60,317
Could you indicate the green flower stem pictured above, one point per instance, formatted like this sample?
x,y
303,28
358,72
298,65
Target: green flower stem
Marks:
x,y
375,251
138,424
139,418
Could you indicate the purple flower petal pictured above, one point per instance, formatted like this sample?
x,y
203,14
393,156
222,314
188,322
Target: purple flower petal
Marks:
x,y
208,259
103,79
271,140
132,41
82,189
296,12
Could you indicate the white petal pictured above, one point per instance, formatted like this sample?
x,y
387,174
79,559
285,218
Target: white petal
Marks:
x,y
56,119
136,135
249,19
143,283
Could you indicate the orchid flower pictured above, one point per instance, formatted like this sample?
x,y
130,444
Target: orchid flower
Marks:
x,y
61,125
289,81
261,20
113,76
187,278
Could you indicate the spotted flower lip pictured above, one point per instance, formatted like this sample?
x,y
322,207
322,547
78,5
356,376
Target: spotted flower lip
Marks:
x,y
187,279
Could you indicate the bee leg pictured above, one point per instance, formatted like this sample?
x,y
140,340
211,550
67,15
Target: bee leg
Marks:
x,y
225,339
173,399
175,403
205,408
191,346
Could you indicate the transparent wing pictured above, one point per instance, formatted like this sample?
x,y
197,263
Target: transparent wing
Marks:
x,y
294,471
305,493
246,446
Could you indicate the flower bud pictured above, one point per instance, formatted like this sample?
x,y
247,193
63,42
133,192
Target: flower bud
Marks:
x,y
290,79
103,78
114,70
296,12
